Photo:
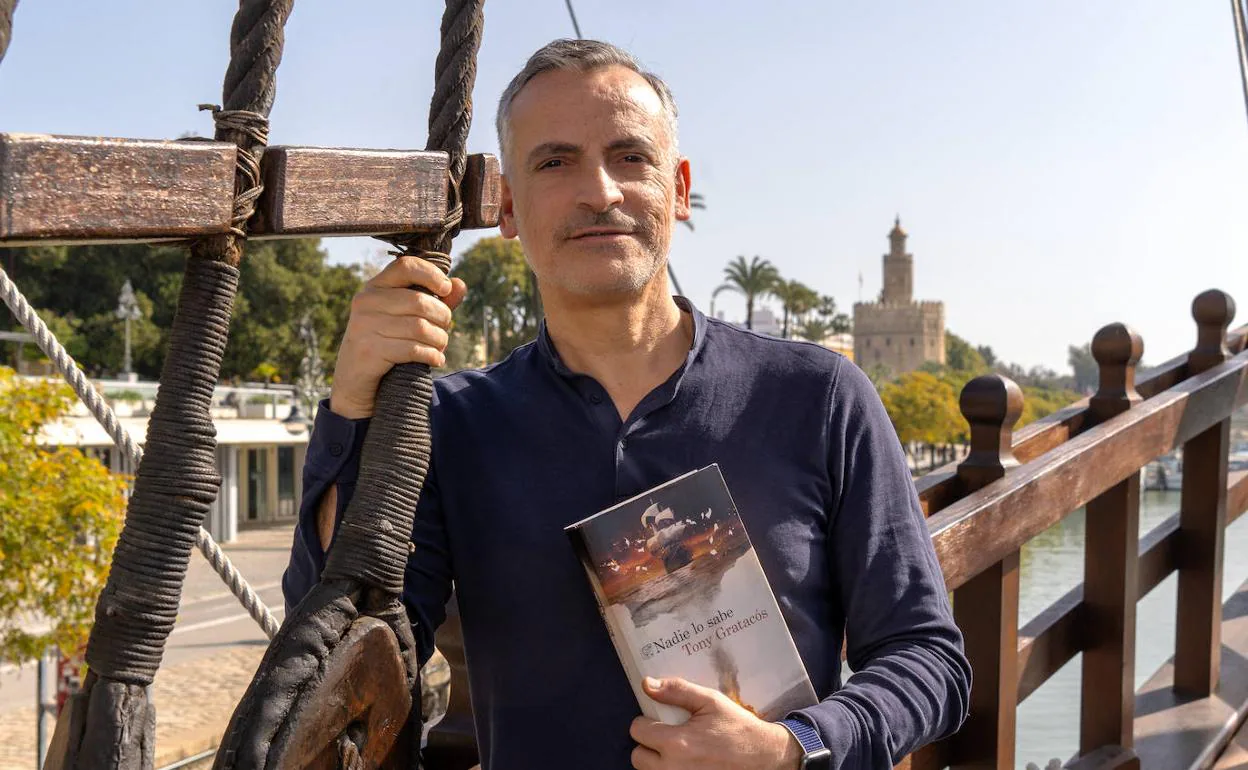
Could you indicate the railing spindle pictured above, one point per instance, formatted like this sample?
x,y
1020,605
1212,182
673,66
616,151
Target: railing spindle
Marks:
x,y
1202,517
986,607
1111,563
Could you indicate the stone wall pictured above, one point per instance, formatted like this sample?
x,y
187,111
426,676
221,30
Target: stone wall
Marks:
x,y
901,337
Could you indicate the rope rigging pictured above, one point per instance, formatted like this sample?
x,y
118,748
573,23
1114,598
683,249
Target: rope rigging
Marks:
x,y
1241,44
363,575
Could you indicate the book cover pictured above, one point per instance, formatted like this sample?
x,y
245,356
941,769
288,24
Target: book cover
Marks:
x,y
683,594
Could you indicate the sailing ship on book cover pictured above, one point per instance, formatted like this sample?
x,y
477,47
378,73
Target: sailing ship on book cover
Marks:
x,y
683,594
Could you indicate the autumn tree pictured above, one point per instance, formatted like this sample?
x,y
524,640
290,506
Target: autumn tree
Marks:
x,y
923,408
62,513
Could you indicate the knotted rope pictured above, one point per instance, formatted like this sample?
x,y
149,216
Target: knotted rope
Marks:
x,y
364,571
7,7
103,413
177,480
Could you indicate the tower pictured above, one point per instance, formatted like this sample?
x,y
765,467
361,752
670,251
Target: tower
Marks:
x,y
897,333
898,269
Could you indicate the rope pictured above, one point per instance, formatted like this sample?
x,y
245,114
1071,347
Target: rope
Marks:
x,y
173,490
103,413
177,481
1241,44
372,541
7,7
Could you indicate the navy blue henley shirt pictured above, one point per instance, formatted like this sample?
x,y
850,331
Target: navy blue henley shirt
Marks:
x,y
527,446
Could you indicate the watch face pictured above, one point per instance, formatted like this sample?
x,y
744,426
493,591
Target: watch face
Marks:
x,y
819,759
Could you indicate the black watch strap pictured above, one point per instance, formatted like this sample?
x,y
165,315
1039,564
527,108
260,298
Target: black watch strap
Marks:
x,y
817,756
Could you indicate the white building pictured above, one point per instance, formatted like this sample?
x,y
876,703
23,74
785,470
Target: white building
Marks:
x,y
260,452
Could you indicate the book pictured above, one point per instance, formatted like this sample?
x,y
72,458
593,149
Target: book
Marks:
x,y
683,594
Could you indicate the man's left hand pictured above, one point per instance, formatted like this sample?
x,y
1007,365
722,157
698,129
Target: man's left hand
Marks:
x,y
719,734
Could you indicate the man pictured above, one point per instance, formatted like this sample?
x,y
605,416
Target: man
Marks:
x,y
625,388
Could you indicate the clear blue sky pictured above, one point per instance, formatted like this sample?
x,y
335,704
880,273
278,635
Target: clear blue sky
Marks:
x,y
1058,165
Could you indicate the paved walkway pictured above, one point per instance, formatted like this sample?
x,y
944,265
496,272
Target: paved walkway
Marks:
x,y
195,697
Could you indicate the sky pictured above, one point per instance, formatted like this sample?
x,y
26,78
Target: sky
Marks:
x,y
1059,165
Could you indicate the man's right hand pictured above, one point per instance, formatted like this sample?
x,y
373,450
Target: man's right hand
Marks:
x,y
392,323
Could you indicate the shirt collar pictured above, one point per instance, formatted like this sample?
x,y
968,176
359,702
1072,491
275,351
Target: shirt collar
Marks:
x,y
546,348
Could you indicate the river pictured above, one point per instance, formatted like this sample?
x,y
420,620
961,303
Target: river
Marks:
x,y
1052,564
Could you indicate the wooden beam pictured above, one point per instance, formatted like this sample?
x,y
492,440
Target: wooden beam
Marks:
x,y
482,191
981,529
78,190
1111,563
82,189
312,191
1202,516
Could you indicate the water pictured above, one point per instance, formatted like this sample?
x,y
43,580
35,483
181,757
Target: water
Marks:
x,y
1052,564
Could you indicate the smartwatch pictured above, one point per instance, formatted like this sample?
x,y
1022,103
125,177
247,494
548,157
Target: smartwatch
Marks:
x,y
817,756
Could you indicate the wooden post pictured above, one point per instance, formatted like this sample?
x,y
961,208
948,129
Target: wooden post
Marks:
x,y
1202,517
1111,563
986,607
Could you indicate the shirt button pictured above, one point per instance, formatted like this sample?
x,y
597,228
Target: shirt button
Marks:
x,y
594,398
335,449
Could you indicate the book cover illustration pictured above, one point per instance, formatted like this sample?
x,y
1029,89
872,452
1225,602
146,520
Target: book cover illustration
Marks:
x,y
683,594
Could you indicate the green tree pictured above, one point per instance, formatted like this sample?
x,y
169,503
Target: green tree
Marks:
x,y
280,281
62,513
815,329
828,312
961,356
752,280
796,300
502,296
1087,372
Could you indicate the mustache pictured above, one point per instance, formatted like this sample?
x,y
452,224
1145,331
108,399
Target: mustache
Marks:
x,y
614,219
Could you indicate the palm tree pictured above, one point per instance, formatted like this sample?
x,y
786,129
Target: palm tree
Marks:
x,y
815,330
797,299
754,279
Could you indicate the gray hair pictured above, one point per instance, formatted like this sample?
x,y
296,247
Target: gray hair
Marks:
x,y
577,56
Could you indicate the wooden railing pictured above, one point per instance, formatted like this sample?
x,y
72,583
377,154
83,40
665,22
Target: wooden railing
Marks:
x,y
1010,489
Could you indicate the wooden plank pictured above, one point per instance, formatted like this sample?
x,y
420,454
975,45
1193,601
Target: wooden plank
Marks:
x,y
1202,515
57,189
986,609
986,606
1110,584
1049,641
482,192
983,528
1111,563
939,489
1178,732
332,191
1202,523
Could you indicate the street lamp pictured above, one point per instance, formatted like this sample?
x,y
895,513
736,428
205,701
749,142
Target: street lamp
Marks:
x,y
128,310
309,383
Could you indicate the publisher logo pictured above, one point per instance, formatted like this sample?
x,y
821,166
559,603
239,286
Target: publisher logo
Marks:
x,y
649,650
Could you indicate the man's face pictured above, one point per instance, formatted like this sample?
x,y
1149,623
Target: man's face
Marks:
x,y
593,187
